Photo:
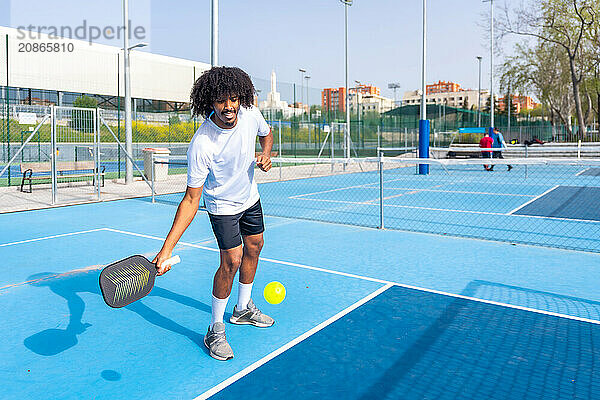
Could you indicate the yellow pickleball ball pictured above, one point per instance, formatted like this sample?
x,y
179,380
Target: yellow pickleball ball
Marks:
x,y
274,292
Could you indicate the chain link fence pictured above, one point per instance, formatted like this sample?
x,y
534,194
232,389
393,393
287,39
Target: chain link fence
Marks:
x,y
548,197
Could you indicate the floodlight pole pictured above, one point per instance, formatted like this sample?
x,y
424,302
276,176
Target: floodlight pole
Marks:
x,y
423,122
394,86
347,3
491,65
492,61
127,83
214,38
479,95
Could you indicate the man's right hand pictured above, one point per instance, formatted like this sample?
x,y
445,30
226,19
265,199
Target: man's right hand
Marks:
x,y
159,260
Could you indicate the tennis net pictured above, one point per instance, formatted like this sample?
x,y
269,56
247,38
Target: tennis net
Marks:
x,y
542,201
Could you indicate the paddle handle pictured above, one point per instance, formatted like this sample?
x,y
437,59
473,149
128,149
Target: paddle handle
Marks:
x,y
172,261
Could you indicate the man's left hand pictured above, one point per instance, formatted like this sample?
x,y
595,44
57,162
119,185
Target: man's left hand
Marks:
x,y
263,162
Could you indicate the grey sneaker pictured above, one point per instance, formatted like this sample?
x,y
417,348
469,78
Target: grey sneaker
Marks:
x,y
216,342
251,316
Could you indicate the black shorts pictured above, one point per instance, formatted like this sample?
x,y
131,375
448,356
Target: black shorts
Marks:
x,y
229,229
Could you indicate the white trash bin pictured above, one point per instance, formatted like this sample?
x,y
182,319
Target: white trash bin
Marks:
x,y
161,171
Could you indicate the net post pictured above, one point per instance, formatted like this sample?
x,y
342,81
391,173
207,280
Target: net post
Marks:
x,y
423,145
152,174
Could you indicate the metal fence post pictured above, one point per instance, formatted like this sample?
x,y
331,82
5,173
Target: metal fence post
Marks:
x,y
280,149
332,144
152,174
53,153
8,129
381,226
97,135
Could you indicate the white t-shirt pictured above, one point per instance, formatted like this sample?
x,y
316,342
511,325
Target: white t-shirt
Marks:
x,y
223,161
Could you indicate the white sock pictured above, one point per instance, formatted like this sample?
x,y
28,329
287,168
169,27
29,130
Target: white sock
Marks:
x,y
218,309
244,295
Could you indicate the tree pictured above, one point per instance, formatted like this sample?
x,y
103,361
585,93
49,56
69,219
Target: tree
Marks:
x,y
82,120
85,102
487,108
567,24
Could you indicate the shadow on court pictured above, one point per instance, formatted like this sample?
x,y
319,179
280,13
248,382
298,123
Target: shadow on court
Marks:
x,y
54,341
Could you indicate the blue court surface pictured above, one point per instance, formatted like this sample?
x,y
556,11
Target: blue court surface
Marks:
x,y
369,313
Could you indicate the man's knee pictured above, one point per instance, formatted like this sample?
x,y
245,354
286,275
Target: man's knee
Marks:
x,y
253,246
231,260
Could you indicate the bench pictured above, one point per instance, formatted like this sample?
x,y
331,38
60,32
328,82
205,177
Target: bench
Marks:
x,y
454,152
77,169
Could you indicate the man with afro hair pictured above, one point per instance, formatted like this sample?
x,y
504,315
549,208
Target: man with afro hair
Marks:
x,y
221,161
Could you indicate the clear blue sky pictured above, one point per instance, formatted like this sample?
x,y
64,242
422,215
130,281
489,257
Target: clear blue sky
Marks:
x,y
261,35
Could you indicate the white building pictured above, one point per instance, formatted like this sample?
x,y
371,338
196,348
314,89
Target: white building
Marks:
x,y
369,103
77,66
452,99
274,105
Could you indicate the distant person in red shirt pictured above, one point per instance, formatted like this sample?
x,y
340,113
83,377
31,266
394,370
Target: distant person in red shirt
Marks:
x,y
486,143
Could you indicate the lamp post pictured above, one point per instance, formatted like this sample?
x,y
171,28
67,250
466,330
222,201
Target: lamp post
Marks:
x,y
127,83
346,4
302,71
394,86
598,93
491,64
214,37
128,128
479,95
423,122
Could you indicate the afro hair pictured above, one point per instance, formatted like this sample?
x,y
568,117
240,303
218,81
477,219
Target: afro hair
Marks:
x,y
218,83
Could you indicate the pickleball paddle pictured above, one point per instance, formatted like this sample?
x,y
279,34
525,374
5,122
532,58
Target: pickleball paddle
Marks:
x,y
128,280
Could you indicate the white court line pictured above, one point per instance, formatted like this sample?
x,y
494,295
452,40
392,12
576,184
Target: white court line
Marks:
x,y
457,191
532,200
364,185
391,283
372,185
371,203
52,237
358,277
375,202
289,345
329,271
261,258
330,190
369,185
